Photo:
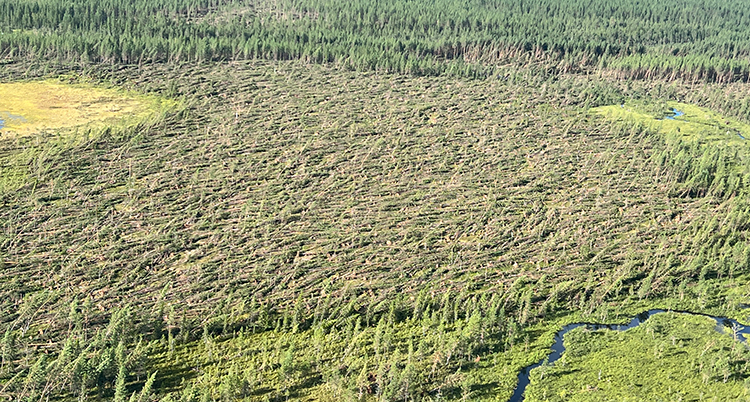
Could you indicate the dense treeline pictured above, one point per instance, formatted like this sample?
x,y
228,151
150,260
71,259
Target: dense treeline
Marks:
x,y
696,39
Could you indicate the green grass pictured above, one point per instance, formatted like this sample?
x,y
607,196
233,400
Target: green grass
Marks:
x,y
352,362
670,357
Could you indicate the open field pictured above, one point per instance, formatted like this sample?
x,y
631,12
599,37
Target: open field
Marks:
x,y
270,201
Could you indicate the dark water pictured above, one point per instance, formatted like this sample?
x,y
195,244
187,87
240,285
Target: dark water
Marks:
x,y
558,348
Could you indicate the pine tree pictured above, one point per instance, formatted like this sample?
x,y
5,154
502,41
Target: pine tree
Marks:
x,y
122,373
7,350
145,394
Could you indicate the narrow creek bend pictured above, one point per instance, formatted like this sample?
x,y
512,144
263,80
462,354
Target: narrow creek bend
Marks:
x,y
558,348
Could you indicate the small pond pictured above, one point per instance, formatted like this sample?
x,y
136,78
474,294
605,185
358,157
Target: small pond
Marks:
x,y
674,113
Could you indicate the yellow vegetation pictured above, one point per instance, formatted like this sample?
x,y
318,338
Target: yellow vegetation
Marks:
x,y
47,106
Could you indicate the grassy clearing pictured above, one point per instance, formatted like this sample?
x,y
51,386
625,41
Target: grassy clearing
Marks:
x,y
42,107
696,124
354,362
670,357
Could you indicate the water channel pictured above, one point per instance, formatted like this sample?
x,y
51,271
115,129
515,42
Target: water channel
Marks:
x,y
558,348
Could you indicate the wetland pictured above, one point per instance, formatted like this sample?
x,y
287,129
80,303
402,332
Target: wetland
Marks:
x,y
722,325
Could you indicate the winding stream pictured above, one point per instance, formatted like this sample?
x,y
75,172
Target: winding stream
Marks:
x,y
558,348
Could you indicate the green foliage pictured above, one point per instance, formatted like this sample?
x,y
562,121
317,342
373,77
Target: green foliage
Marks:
x,y
702,40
